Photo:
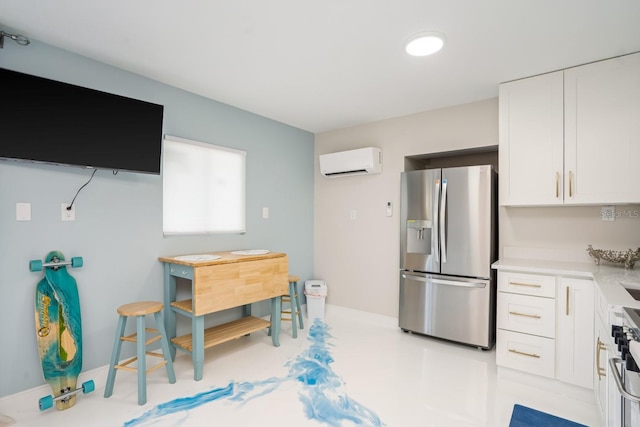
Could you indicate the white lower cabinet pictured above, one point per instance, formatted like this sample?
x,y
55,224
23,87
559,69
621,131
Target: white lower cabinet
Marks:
x,y
604,385
524,352
526,314
601,366
546,326
574,331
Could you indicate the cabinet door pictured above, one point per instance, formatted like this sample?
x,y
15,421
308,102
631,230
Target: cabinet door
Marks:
x,y
602,132
531,141
600,365
575,331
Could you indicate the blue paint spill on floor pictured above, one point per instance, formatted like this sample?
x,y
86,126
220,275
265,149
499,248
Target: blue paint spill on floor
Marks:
x,y
321,395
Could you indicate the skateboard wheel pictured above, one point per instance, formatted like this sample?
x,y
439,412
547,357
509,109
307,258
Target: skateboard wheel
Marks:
x,y
35,265
45,403
76,261
88,386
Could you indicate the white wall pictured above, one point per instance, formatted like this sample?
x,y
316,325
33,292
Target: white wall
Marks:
x,y
359,259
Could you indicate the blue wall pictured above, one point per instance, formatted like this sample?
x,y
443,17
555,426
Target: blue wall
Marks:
x,y
118,227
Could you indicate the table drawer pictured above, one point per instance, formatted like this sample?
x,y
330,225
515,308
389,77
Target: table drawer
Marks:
x,y
527,284
529,353
523,313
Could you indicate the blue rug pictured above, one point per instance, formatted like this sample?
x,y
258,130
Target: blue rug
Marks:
x,y
527,417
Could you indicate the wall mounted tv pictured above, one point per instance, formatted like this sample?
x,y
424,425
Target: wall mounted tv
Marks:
x,y
43,120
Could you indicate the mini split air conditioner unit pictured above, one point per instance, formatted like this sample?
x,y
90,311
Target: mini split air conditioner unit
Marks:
x,y
363,161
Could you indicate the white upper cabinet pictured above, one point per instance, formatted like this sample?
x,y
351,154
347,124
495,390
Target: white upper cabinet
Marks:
x,y
531,141
572,136
602,132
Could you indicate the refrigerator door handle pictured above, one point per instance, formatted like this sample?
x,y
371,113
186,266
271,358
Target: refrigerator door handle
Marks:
x,y
445,282
460,284
443,221
436,223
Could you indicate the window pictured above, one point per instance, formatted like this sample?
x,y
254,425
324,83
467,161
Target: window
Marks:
x,y
203,188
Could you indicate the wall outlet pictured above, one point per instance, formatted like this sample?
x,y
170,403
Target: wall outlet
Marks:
x,y
68,214
608,213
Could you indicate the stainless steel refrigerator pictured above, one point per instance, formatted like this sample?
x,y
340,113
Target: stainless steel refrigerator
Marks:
x,y
448,241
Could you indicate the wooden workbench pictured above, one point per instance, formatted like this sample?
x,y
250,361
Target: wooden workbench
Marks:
x,y
227,282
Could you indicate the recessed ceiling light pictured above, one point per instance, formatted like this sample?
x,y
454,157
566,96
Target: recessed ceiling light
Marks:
x,y
425,43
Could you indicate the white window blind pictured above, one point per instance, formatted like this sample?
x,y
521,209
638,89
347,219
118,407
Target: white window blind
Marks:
x,y
203,188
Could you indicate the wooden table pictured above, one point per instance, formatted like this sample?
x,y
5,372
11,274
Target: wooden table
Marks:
x,y
227,282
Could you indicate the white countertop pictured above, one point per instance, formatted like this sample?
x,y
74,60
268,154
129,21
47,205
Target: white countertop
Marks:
x,y
607,277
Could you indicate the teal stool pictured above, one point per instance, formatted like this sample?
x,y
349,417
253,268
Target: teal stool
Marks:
x,y
140,310
294,313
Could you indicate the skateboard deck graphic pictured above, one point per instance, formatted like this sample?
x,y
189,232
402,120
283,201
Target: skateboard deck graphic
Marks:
x,y
59,330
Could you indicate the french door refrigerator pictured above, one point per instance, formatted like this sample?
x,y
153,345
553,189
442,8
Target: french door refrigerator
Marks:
x,y
448,242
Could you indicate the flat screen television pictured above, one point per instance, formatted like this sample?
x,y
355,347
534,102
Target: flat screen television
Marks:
x,y
43,120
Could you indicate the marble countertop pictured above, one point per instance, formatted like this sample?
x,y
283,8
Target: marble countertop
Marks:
x,y
607,277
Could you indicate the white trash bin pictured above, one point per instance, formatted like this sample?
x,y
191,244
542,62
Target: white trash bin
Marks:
x,y
316,293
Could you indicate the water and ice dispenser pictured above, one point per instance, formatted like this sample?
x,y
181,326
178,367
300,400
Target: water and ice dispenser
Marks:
x,y
419,236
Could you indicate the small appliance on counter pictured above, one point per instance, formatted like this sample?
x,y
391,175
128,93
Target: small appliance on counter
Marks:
x,y
448,241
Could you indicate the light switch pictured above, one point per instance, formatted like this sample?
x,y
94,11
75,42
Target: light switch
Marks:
x,y
23,211
265,213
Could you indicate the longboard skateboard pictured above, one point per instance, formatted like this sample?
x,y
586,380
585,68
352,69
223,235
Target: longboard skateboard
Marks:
x,y
59,330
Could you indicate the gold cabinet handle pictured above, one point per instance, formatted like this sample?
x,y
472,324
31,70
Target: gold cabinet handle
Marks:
x,y
567,303
557,185
601,371
533,316
524,354
570,184
530,285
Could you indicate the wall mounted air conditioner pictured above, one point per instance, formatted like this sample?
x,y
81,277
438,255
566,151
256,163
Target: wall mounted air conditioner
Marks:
x,y
362,161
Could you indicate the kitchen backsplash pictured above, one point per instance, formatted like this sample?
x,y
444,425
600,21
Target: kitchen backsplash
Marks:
x,y
567,230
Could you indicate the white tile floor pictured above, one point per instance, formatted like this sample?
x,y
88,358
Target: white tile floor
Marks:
x,y
402,380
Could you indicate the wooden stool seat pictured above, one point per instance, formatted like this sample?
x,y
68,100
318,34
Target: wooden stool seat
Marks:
x,y
294,313
140,310
293,279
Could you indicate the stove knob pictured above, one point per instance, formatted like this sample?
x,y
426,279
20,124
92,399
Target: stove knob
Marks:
x,y
614,329
631,365
624,350
616,335
622,341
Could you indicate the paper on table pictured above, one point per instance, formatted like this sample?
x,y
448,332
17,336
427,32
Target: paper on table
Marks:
x,y
251,252
195,258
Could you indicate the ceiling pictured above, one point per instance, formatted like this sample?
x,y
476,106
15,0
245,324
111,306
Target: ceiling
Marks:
x,y
325,65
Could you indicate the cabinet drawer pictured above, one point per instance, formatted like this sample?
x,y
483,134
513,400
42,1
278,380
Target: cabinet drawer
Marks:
x,y
527,284
523,313
529,353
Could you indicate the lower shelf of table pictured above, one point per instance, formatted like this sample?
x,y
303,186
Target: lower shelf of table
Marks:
x,y
223,333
